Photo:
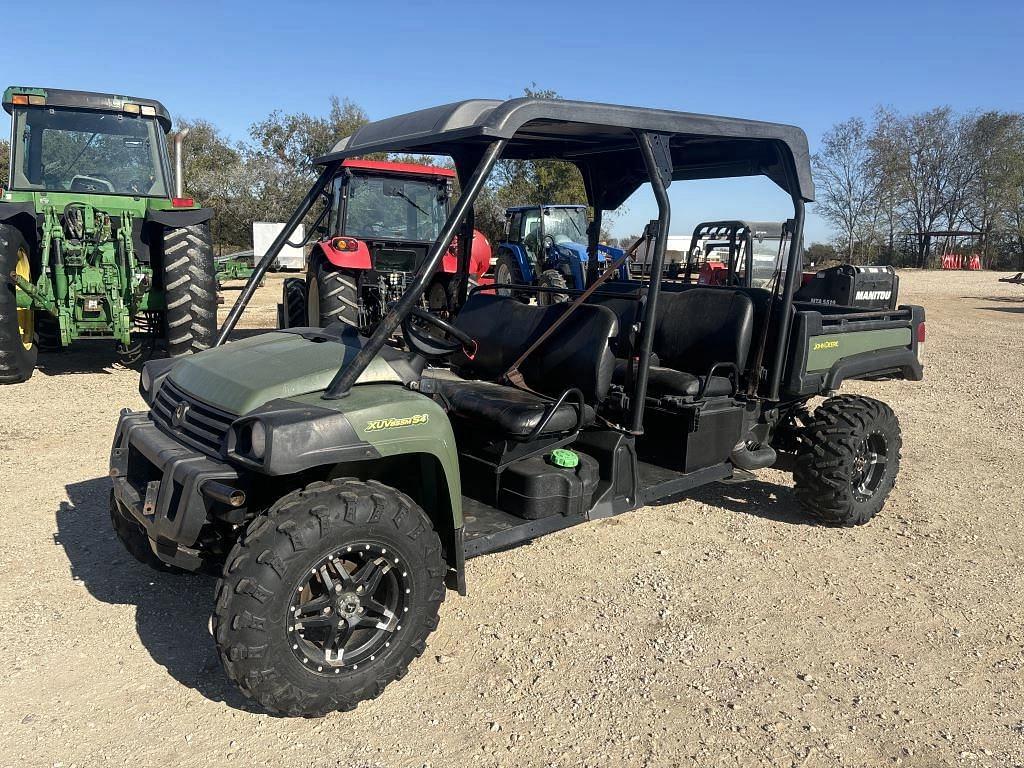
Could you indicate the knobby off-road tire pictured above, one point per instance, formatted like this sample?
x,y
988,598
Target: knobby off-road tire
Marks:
x,y
293,303
190,290
287,566
332,294
848,459
18,349
552,278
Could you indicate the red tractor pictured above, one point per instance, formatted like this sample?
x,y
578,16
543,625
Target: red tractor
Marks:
x,y
382,217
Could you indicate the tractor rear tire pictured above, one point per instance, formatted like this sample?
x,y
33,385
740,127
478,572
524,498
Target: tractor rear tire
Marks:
x,y
293,303
190,290
848,459
18,348
332,294
552,278
328,597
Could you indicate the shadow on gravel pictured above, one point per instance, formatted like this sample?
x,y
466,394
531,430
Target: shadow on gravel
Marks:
x,y
766,500
1011,310
172,610
84,357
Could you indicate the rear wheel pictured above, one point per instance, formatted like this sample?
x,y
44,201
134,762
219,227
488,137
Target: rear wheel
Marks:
x,y
293,303
18,350
506,272
190,289
333,294
848,459
552,278
328,597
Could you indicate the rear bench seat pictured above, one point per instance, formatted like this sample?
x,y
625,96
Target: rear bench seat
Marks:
x,y
578,355
694,329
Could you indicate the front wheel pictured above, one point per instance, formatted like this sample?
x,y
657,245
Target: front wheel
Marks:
x,y
293,312
328,597
552,278
848,459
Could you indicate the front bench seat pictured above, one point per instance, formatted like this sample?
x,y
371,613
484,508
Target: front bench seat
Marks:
x,y
577,356
514,413
693,330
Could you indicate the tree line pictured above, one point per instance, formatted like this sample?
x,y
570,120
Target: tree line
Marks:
x,y
896,187
264,177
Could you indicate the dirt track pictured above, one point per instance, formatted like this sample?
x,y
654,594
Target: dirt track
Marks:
x,y
722,630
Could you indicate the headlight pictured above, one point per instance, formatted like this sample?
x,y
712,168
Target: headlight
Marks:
x,y
257,440
146,380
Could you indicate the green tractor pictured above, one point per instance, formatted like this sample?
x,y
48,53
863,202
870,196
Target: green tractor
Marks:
x,y
93,241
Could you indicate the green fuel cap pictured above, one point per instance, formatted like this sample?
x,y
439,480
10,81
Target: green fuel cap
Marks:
x,y
563,457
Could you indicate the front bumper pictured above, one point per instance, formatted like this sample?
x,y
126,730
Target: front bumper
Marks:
x,y
158,482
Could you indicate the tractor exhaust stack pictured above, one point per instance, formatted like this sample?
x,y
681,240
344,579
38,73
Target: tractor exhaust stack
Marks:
x,y
179,181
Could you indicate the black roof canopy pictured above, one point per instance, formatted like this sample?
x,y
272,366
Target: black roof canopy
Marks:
x,y
598,138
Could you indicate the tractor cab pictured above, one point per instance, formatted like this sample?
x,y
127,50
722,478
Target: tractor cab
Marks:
x,y
380,219
546,246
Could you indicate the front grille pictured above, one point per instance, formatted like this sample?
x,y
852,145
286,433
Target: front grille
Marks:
x,y
190,420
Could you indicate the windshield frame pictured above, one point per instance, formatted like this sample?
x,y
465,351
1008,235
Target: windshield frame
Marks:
x,y
18,180
341,218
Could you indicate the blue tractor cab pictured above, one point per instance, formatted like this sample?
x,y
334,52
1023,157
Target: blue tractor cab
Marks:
x,y
545,245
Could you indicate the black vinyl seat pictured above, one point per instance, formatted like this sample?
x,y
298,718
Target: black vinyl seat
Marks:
x,y
576,358
513,412
695,330
668,381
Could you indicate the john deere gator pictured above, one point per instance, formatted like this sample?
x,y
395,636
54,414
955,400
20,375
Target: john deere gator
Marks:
x,y
93,241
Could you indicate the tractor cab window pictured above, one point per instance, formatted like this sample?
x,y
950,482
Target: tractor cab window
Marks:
x,y
566,225
106,153
395,208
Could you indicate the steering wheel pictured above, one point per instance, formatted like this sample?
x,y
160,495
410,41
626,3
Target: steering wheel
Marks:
x,y
432,347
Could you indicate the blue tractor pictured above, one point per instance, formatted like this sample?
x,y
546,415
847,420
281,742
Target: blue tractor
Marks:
x,y
545,246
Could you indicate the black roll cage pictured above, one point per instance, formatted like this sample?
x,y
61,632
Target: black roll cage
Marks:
x,y
478,133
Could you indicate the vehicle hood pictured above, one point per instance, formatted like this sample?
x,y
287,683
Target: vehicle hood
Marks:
x,y
243,375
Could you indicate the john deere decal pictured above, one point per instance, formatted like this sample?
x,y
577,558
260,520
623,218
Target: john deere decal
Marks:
x,y
407,421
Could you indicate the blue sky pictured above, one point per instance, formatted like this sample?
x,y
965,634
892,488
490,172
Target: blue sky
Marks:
x,y
806,63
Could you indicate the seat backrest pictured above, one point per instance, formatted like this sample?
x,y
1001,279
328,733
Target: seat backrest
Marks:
x,y
697,328
628,311
578,354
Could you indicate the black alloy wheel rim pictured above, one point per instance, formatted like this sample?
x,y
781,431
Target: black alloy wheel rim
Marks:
x,y
348,608
869,466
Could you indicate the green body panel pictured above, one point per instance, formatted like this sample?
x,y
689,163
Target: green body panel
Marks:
x,y
243,375
824,351
397,421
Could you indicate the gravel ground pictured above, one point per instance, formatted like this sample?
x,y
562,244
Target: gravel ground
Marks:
x,y
721,630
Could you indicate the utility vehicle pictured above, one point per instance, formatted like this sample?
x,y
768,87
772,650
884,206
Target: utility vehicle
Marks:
x,y
93,241
339,481
546,245
382,218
